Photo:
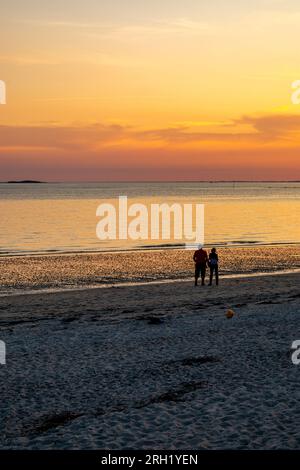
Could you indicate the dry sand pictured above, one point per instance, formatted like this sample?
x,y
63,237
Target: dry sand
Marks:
x,y
153,366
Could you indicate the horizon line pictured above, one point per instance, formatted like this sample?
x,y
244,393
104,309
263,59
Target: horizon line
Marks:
x,y
31,181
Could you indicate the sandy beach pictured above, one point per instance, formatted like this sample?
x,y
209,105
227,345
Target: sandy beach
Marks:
x,y
150,232
153,366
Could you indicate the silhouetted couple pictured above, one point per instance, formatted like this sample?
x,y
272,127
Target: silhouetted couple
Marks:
x,y
202,261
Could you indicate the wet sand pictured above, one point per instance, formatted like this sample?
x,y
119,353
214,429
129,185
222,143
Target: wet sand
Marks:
x,y
25,273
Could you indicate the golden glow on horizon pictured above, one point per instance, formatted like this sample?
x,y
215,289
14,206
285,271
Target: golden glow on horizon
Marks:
x,y
95,89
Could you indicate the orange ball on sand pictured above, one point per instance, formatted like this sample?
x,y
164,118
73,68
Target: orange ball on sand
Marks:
x,y
230,313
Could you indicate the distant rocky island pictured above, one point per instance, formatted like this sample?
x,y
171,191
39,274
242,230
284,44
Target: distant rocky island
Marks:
x,y
25,182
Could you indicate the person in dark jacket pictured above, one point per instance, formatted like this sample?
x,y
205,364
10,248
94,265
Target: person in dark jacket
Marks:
x,y
201,259
213,263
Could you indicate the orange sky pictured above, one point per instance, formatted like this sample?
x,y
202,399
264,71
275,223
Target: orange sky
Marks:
x,y
124,90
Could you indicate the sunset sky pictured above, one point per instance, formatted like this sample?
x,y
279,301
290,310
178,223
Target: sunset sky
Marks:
x,y
149,90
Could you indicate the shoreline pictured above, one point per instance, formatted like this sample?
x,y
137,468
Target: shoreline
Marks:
x,y
59,290
228,245
78,271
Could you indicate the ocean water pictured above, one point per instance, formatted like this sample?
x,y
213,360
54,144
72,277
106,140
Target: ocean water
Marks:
x,y
61,217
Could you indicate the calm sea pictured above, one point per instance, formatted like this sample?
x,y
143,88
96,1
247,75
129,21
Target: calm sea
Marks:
x,y
39,218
